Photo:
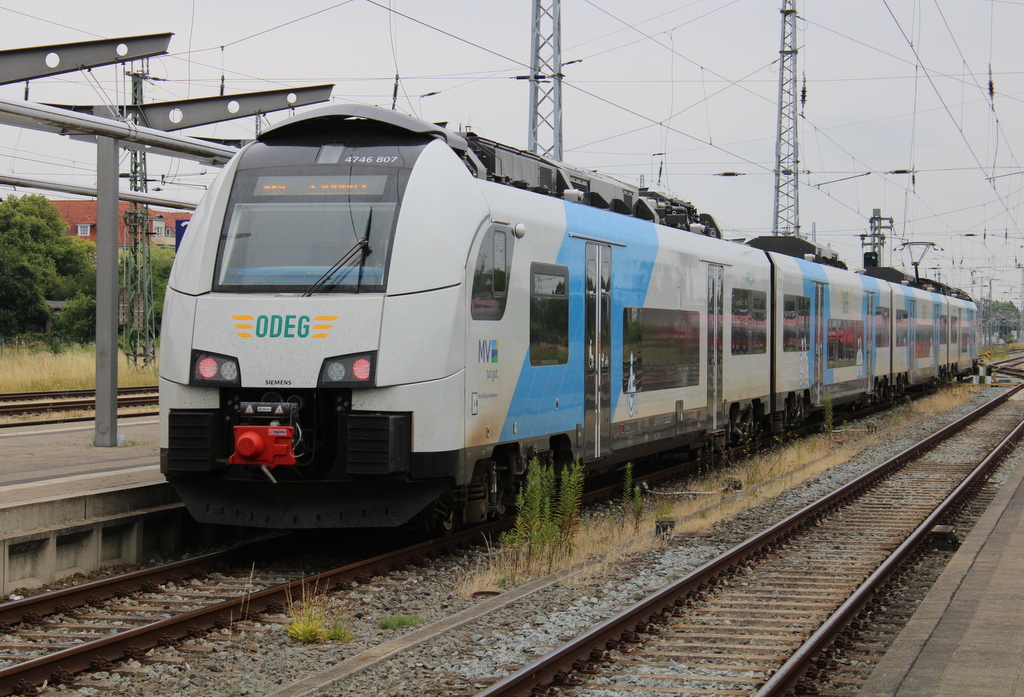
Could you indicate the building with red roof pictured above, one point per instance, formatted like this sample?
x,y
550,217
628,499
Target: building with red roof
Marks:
x,y
81,219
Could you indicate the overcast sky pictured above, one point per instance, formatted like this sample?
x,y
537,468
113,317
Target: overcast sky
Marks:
x,y
675,92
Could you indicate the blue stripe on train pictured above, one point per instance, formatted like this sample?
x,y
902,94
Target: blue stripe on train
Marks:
x,y
533,402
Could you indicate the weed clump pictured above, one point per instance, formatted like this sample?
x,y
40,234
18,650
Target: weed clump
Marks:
x,y
547,520
311,620
396,621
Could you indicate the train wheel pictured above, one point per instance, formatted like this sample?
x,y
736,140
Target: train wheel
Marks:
x,y
443,518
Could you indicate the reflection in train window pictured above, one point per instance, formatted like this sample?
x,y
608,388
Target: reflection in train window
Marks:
x,y
490,276
549,314
660,349
796,323
749,321
882,327
845,343
902,327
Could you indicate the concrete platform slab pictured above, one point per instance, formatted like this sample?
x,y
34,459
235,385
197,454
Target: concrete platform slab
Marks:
x,y
53,461
68,507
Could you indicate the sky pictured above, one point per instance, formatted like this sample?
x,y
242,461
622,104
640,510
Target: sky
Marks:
x,y
913,107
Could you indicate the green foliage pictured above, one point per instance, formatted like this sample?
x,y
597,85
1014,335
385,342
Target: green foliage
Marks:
x,y
38,262
632,500
547,519
567,509
396,621
22,302
77,320
829,413
161,259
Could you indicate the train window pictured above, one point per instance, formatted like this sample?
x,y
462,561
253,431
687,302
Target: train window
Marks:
x,y
796,323
313,219
943,329
882,327
902,327
660,349
924,332
749,321
549,314
845,343
490,275
954,329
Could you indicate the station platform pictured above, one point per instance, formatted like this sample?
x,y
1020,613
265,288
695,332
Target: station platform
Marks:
x,y
967,637
68,507
60,460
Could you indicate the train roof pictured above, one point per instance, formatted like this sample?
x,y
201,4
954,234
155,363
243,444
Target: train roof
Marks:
x,y
887,273
488,159
797,247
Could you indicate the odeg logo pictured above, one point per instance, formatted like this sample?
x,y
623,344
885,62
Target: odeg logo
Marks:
x,y
282,326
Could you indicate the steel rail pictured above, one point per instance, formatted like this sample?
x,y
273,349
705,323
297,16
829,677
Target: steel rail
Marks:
x,y
48,407
70,394
555,667
21,678
793,669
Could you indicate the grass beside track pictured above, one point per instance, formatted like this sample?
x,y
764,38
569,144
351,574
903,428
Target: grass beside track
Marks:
x,y
703,500
28,369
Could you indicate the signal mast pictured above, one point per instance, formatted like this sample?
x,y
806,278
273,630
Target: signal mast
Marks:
x,y
787,210
546,80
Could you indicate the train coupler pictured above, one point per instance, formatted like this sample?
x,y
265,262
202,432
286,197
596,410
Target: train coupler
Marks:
x,y
263,446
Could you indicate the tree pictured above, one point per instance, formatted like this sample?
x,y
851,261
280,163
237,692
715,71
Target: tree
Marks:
x,y
23,307
162,258
38,262
1000,320
77,321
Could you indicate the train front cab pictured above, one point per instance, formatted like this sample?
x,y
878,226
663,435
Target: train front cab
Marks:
x,y
412,395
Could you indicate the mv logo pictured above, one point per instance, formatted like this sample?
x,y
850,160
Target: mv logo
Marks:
x,y
487,351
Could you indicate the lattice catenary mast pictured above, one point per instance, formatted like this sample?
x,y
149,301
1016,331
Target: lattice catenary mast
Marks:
x,y
787,210
136,308
546,79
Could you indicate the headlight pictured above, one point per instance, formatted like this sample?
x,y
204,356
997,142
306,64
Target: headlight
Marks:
x,y
213,369
357,370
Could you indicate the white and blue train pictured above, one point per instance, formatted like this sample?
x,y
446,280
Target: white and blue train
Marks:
x,y
375,321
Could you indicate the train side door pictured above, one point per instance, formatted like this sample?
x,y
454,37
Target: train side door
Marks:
x,y
869,344
912,335
715,320
597,391
817,390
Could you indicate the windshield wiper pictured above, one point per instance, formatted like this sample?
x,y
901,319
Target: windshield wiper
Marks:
x,y
361,247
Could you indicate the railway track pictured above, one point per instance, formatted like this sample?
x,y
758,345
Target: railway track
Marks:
x,y
790,601
62,401
52,637
175,602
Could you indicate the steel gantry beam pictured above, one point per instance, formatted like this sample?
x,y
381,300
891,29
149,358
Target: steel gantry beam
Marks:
x,y
40,117
21,64
43,185
173,116
188,113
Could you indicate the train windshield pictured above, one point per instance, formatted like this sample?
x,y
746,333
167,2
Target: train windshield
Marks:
x,y
319,226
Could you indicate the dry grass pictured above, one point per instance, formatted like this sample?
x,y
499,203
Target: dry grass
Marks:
x,y
25,369
709,498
